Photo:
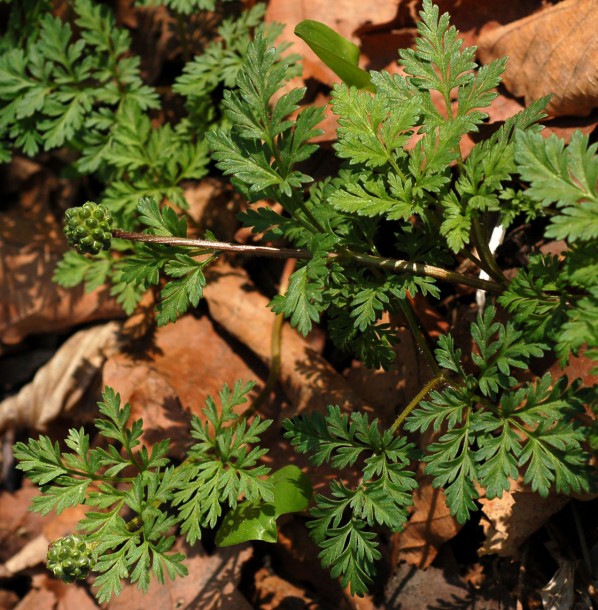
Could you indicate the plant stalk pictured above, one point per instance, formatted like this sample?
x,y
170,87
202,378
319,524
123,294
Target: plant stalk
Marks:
x,y
266,251
275,346
403,266
438,379
418,335
390,264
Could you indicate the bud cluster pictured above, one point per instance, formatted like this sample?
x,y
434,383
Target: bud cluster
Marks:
x,y
70,558
88,227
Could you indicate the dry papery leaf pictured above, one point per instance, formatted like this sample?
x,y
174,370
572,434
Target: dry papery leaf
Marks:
x,y
18,525
554,51
31,244
61,384
47,593
26,543
214,205
210,585
429,527
166,381
509,521
435,589
307,379
273,593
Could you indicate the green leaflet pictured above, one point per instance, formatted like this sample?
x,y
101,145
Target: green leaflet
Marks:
x,y
257,521
338,53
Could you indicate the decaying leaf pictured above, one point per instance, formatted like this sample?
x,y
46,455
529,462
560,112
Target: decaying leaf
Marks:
x,y
430,526
509,521
210,585
31,244
559,592
47,593
273,592
553,51
18,525
434,588
60,384
185,363
308,380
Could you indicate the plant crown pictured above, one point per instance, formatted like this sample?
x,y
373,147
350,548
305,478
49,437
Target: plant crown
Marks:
x,y
491,420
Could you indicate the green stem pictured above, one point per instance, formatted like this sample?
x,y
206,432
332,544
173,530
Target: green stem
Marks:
x,y
314,221
473,258
402,266
275,347
389,264
86,475
418,335
275,343
486,256
438,379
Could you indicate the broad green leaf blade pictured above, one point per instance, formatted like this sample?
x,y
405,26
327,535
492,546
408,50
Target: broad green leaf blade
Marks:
x,y
338,53
292,490
249,521
257,521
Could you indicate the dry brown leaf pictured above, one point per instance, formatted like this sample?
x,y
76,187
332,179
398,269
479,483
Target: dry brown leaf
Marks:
x,y
31,555
509,521
188,361
553,51
51,594
34,552
470,16
430,526
308,380
214,205
210,585
435,588
31,244
61,383
8,599
37,599
18,525
273,592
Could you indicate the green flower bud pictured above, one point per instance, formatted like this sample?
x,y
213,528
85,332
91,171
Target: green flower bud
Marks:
x,y
88,228
70,558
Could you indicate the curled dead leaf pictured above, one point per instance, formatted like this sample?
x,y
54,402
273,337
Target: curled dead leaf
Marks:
x,y
554,51
31,244
60,384
430,526
509,521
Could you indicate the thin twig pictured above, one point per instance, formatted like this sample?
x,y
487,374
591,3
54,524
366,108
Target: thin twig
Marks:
x,y
418,335
187,242
415,401
275,346
390,264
